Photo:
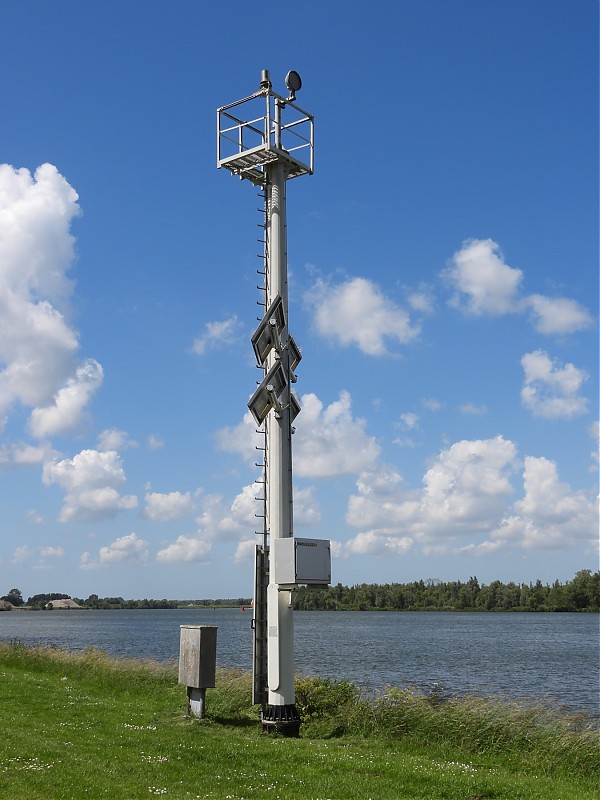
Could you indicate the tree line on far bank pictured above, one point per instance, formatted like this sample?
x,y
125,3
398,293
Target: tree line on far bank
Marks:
x,y
582,593
40,601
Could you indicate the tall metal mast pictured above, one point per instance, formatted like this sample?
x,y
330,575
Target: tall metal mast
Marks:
x,y
269,152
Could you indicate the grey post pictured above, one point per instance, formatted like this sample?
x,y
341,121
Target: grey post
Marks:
x,y
197,665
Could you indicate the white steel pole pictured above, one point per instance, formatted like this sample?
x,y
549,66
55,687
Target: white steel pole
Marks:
x,y
280,629
269,165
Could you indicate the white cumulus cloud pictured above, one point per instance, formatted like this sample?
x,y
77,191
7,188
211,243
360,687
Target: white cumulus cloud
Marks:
x,y
216,335
483,283
245,551
464,494
422,300
51,552
409,420
114,439
473,410
382,502
556,315
185,549
125,549
169,506
34,516
466,487
432,404
37,342
20,454
551,390
66,411
466,505
240,438
330,441
307,512
551,515
374,544
47,555
91,480
358,313
21,554
240,518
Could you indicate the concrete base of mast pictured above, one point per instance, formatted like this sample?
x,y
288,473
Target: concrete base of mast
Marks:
x,y
284,720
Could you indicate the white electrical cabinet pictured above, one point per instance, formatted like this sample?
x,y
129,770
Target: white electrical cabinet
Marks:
x,y
301,561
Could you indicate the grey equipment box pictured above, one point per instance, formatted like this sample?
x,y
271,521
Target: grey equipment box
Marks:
x,y
198,656
301,561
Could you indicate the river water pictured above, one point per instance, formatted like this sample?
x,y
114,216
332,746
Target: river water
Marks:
x,y
549,656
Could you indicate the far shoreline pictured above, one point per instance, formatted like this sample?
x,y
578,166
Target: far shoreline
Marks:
x,y
248,608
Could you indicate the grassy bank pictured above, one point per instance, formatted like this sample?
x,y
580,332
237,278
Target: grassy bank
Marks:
x,y
85,725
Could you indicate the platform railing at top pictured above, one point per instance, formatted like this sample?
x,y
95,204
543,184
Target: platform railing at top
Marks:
x,y
236,135
239,128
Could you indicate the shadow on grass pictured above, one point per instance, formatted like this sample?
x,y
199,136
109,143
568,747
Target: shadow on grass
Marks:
x,y
233,722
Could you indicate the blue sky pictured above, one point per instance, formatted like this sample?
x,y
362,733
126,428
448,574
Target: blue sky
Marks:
x,y
444,267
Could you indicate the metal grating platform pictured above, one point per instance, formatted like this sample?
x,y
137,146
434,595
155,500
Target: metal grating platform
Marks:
x,y
251,163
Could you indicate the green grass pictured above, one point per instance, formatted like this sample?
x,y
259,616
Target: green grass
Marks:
x,y
88,726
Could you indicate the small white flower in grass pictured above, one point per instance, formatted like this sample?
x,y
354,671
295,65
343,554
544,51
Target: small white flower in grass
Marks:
x,y
155,759
139,727
32,764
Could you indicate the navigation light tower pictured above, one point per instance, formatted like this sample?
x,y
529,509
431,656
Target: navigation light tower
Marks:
x,y
255,142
